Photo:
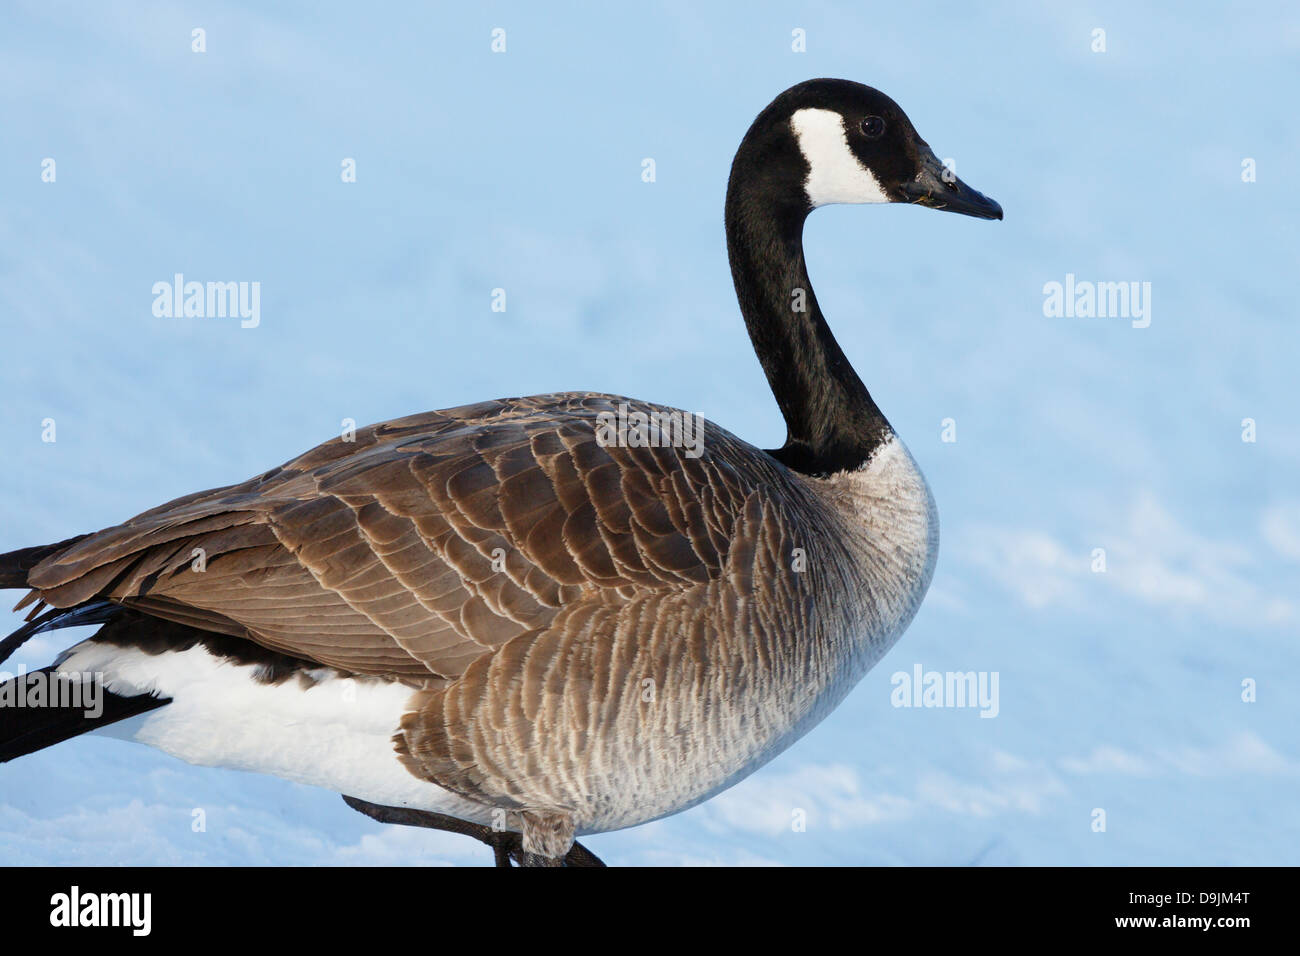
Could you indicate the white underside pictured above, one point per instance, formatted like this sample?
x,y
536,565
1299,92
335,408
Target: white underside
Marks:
x,y
336,734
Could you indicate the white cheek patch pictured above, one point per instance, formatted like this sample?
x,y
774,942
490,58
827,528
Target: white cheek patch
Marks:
x,y
834,173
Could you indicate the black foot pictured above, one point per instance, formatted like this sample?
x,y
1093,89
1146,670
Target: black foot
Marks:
x,y
507,846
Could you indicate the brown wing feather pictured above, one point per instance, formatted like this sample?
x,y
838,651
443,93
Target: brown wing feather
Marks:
x,y
428,542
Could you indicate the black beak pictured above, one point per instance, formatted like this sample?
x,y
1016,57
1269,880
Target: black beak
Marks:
x,y
936,186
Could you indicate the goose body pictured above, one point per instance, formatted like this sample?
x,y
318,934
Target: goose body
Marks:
x,y
494,612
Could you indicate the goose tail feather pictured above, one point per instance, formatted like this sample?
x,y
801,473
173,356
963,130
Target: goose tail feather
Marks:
x,y
42,708
15,565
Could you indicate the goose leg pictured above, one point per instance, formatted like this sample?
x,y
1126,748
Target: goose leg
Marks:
x,y
502,853
506,845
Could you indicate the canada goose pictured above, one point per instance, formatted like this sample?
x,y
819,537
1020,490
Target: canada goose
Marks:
x,y
497,620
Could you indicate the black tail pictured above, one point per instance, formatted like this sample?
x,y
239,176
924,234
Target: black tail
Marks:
x,y
92,612
40,709
15,565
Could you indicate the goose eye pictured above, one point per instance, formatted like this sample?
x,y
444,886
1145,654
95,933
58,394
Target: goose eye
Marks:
x,y
873,127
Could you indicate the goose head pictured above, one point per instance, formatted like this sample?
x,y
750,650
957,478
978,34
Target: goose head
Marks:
x,y
835,141
820,142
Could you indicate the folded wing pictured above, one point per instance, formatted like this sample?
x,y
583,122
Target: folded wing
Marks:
x,y
428,541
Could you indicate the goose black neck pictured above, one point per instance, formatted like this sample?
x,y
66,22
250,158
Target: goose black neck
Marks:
x,y
831,422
